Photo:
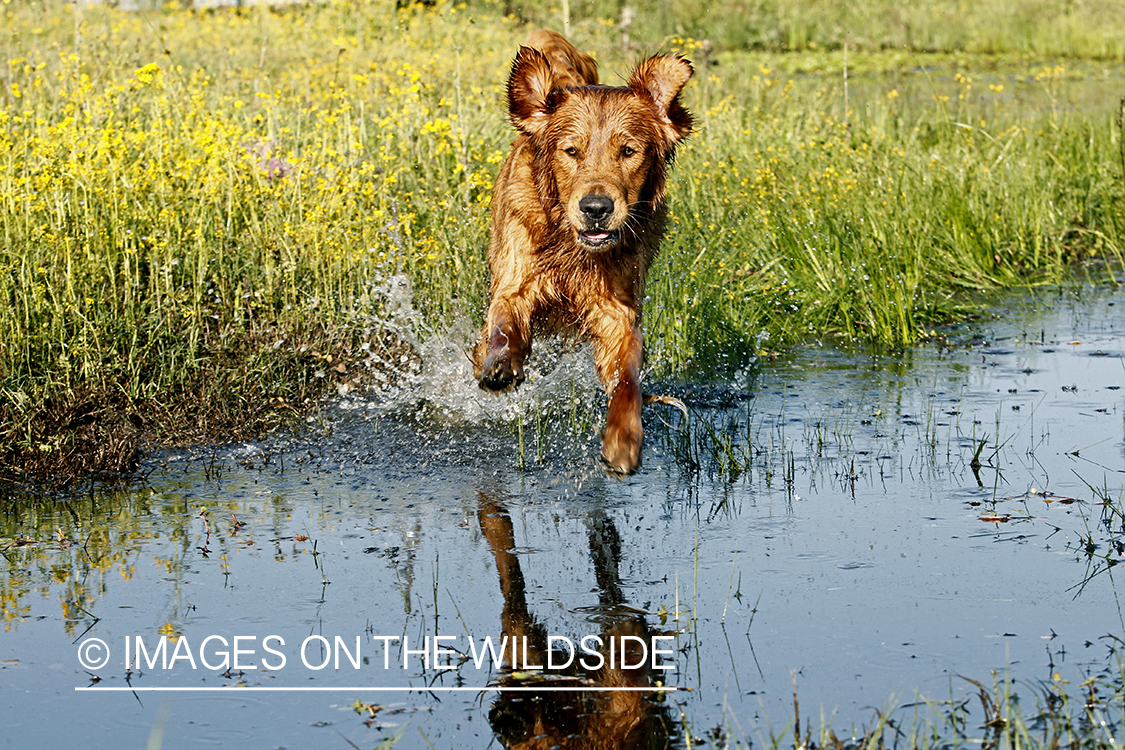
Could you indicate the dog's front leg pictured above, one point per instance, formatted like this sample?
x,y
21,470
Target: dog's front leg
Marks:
x,y
619,355
504,345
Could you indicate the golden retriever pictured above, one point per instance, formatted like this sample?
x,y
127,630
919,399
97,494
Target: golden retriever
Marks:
x,y
578,213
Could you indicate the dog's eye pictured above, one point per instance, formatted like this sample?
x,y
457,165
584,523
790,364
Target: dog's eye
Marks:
x,y
626,151
571,151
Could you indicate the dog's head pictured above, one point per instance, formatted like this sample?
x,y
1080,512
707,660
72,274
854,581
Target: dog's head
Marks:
x,y
601,151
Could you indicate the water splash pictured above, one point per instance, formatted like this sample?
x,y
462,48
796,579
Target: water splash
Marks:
x,y
437,384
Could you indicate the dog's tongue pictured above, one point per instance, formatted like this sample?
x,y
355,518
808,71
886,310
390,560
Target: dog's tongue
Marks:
x,y
597,236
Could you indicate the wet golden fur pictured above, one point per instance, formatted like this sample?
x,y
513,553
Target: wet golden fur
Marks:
x,y
578,213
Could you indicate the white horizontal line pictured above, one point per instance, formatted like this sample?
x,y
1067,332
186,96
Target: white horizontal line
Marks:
x,y
366,689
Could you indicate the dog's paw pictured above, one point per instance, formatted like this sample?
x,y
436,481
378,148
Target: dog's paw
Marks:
x,y
621,451
501,373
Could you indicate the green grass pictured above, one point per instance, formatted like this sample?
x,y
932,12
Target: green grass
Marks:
x,y
1039,27
202,211
1001,715
797,220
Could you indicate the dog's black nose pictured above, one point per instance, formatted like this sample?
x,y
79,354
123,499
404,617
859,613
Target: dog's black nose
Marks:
x,y
596,207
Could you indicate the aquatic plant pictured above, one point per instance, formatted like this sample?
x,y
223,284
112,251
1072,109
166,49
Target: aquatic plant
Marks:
x,y
991,716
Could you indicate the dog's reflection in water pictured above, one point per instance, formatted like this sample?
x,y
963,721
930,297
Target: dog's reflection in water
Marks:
x,y
578,719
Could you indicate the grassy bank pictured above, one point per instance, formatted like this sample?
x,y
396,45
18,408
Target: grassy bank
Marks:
x,y
205,214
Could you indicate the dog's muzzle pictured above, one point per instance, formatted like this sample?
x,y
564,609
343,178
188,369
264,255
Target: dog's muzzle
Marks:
x,y
596,210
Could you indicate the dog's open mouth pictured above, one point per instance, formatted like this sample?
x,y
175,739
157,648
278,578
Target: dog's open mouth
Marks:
x,y
597,238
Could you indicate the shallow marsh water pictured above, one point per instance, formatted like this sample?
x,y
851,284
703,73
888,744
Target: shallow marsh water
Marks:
x,y
817,522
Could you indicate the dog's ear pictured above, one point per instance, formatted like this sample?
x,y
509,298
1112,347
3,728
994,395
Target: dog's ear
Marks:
x,y
661,79
531,91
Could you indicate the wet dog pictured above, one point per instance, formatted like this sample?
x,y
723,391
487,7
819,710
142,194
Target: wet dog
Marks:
x,y
578,212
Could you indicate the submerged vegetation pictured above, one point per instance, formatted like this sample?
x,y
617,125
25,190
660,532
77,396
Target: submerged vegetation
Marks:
x,y
989,716
207,213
